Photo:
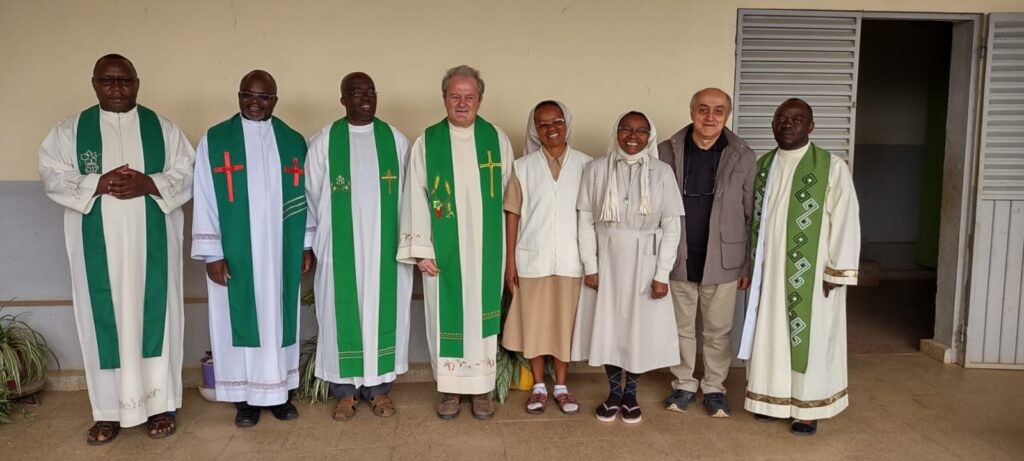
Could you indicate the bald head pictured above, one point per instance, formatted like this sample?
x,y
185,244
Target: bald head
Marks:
x,y
709,109
109,58
359,97
257,95
261,76
711,92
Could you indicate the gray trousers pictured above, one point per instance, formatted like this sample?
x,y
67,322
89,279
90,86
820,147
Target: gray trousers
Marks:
x,y
716,304
364,392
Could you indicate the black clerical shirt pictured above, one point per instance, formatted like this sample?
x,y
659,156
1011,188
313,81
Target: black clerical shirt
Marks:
x,y
700,167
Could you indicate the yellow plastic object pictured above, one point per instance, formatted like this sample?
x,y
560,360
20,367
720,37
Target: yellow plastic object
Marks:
x,y
525,379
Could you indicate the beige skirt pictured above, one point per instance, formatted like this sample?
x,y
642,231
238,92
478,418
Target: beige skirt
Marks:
x,y
541,317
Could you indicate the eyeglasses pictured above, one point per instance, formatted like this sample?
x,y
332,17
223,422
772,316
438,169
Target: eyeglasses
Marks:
x,y
687,158
636,131
261,96
549,124
110,81
360,94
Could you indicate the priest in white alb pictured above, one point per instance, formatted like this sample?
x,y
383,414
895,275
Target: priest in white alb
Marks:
x,y
122,173
249,224
807,247
452,227
356,168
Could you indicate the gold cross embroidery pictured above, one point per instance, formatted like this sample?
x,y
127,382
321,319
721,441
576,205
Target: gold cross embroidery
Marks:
x,y
389,177
490,165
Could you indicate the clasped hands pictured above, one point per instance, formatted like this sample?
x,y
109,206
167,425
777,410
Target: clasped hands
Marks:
x,y
124,183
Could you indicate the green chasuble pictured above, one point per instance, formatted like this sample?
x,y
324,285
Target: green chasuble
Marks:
x,y
445,230
89,147
803,232
346,296
227,159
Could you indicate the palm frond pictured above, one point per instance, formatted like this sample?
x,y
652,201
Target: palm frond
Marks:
x,y
310,387
504,375
5,405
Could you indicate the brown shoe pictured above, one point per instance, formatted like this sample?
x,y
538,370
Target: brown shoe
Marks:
x,y
382,406
346,409
448,406
483,407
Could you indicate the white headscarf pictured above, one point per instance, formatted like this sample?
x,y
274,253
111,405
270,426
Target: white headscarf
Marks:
x,y
610,208
532,143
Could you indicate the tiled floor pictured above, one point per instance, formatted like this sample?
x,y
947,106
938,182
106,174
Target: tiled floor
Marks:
x,y
904,406
891,317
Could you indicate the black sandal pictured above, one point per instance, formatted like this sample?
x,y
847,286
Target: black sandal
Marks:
x,y
108,428
802,428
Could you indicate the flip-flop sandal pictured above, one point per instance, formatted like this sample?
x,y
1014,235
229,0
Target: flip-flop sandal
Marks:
x,y
607,413
109,428
159,423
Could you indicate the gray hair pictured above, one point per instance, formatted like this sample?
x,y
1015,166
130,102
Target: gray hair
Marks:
x,y
462,71
693,99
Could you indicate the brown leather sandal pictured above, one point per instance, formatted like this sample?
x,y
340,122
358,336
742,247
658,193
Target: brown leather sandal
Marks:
x,y
162,425
346,409
382,406
535,399
567,403
106,429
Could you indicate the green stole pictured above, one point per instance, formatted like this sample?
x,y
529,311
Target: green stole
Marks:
x,y
803,232
226,143
89,147
346,297
445,230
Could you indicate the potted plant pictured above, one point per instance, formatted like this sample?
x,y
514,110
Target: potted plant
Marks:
x,y
24,354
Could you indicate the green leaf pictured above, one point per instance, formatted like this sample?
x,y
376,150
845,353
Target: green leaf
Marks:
x,y
311,387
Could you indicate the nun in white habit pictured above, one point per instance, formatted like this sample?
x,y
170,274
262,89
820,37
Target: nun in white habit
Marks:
x,y
629,208
543,269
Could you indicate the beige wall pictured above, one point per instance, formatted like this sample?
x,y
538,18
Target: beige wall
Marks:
x,y
599,57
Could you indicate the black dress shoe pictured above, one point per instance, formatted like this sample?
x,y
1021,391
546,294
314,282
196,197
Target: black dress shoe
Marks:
x,y
284,411
246,415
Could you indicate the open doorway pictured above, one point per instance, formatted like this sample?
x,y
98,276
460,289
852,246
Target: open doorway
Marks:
x,y
902,103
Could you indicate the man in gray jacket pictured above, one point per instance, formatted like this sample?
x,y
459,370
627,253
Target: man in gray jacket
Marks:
x,y
715,171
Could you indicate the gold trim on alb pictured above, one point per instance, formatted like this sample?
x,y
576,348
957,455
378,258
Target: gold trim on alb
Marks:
x,y
843,273
795,402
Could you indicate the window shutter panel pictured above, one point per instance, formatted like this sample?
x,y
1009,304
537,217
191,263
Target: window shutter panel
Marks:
x,y
1002,118
787,54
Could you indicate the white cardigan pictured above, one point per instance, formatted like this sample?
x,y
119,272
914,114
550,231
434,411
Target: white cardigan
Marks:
x,y
547,243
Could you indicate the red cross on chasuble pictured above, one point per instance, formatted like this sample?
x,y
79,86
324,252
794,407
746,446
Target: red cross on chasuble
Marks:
x,y
295,171
227,169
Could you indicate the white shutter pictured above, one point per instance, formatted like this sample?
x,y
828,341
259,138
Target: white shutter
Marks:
x,y
807,55
1002,119
995,315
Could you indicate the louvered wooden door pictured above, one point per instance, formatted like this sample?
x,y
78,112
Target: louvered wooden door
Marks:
x,y
995,322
